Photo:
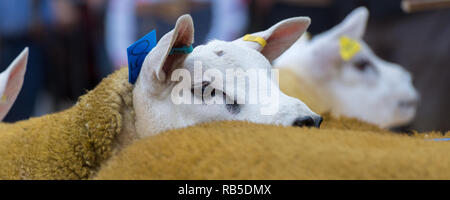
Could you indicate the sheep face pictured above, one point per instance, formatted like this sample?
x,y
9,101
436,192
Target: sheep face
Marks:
x,y
11,81
213,82
365,86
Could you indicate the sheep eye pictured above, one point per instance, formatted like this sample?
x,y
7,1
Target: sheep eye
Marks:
x,y
362,65
205,86
219,53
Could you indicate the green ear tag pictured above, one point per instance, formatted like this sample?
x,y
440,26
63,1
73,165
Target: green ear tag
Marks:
x,y
182,50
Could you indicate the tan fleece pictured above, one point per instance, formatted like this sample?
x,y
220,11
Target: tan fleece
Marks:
x,y
71,144
294,86
240,150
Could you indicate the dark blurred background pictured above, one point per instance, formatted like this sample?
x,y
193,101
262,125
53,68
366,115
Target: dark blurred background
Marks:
x,y
75,43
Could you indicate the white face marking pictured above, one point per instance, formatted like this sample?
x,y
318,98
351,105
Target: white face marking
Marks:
x,y
156,110
365,87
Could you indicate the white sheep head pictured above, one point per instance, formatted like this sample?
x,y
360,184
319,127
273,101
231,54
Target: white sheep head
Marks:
x,y
365,87
153,93
11,81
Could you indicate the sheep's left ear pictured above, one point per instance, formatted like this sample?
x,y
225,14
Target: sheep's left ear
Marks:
x,y
159,61
277,38
11,81
354,25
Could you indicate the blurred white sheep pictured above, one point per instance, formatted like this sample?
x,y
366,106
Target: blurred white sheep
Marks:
x,y
361,85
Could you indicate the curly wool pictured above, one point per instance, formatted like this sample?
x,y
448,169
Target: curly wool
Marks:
x,y
240,150
70,144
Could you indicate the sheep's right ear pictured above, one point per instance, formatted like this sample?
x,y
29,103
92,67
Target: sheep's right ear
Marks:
x,y
278,38
11,81
159,63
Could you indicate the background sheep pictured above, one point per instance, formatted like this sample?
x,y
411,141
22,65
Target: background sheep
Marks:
x,y
11,81
365,86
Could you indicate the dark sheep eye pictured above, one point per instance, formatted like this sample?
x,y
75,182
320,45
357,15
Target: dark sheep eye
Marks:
x,y
219,53
362,65
205,85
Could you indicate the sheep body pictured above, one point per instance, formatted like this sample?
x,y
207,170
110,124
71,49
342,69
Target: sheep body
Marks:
x,y
294,86
240,150
70,144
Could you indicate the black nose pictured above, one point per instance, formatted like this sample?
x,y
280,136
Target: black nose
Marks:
x,y
308,121
408,103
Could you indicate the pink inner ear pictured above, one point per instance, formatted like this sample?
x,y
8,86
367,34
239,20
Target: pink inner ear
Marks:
x,y
281,39
15,81
13,84
184,38
284,32
14,72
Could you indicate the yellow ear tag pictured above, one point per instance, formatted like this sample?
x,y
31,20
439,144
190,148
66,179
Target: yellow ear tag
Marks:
x,y
3,99
261,41
308,35
348,47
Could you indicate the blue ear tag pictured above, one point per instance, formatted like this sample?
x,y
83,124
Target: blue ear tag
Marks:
x,y
182,50
137,53
440,139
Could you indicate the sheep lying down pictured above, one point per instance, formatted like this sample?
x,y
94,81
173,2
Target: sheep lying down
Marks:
x,y
73,144
343,148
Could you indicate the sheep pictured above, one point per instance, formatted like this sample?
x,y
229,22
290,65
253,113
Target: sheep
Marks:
x,y
74,143
11,81
242,150
70,144
343,148
354,82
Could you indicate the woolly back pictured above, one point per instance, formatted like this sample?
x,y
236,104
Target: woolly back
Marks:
x,y
240,150
70,144
294,86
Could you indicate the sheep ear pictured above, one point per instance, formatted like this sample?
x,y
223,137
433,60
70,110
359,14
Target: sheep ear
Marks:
x,y
325,46
354,25
11,81
278,38
159,62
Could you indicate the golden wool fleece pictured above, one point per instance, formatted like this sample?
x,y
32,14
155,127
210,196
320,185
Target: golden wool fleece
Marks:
x,y
241,150
70,144
75,144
